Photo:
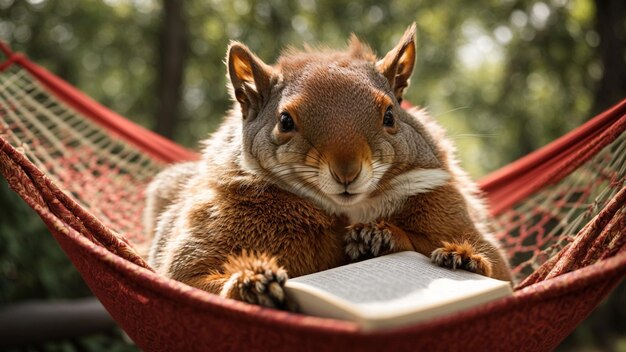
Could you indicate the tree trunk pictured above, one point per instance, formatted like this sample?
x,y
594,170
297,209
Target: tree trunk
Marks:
x,y
33,322
172,50
610,17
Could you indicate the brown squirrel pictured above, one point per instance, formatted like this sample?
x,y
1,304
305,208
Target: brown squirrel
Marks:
x,y
316,166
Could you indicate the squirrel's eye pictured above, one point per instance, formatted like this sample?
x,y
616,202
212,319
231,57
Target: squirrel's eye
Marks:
x,y
388,119
286,123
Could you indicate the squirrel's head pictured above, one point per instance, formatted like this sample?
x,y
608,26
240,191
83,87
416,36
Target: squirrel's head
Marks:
x,y
328,125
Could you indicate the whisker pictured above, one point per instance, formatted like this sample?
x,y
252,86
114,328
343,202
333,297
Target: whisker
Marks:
x,y
475,135
321,156
451,110
312,156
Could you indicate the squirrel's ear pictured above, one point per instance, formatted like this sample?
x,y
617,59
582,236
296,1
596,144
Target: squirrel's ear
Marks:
x,y
249,76
398,64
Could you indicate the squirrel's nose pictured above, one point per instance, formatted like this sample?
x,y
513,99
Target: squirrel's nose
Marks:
x,y
346,172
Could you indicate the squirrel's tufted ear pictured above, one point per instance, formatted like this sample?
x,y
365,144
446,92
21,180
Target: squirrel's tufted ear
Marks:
x,y
398,64
250,77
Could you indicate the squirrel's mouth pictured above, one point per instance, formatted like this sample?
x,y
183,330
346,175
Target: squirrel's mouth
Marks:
x,y
347,198
347,195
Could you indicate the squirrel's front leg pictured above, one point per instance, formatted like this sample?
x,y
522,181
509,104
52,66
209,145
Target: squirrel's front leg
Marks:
x,y
251,278
374,239
462,256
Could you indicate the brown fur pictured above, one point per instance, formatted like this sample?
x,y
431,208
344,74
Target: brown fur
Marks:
x,y
340,186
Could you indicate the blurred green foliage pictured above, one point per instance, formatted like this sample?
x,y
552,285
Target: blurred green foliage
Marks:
x,y
28,254
504,76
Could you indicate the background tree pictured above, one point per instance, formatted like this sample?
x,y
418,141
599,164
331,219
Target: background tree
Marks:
x,y
504,76
172,52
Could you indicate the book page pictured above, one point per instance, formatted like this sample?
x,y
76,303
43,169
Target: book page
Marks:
x,y
393,290
399,276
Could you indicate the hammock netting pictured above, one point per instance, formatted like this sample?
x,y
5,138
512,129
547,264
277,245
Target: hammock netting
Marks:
x,y
560,214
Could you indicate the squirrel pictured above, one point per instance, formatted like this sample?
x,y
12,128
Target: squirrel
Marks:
x,y
316,166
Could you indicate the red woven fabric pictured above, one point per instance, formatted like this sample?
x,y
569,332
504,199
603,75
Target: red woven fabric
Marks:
x,y
163,315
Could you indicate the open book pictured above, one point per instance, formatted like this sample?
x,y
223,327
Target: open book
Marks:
x,y
392,290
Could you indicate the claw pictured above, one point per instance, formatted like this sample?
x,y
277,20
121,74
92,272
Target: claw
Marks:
x,y
367,240
258,280
461,256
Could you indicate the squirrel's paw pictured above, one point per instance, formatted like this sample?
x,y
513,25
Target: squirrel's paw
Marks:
x,y
461,256
256,279
368,240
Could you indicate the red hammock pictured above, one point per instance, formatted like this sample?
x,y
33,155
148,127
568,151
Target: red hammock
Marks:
x,y
560,214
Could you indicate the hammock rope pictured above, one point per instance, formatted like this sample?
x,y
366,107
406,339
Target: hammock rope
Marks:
x,y
76,153
539,228
560,214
